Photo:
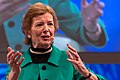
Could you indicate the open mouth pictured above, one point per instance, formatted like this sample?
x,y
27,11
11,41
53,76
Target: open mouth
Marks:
x,y
45,37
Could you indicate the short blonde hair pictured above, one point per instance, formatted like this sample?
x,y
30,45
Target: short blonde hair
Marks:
x,y
36,10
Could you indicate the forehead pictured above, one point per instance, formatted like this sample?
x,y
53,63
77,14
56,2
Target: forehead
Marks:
x,y
46,16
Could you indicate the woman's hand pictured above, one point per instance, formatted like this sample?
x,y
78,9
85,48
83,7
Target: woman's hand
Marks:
x,y
76,61
14,61
90,13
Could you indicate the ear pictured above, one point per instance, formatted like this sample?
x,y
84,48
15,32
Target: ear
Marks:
x,y
28,34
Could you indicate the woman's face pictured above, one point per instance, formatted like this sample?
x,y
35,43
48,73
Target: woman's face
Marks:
x,y
42,31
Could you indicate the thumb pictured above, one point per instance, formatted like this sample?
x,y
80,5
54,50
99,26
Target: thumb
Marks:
x,y
9,49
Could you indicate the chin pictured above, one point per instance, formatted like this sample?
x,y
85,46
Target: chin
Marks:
x,y
46,44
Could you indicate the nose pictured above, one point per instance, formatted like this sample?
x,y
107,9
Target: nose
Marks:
x,y
46,28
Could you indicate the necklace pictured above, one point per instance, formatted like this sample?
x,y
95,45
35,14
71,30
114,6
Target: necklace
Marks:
x,y
35,52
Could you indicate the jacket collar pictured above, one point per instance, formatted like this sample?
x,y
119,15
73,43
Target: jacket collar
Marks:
x,y
54,58
27,58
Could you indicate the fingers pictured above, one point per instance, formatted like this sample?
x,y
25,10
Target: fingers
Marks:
x,y
13,58
17,59
72,61
75,54
76,62
101,5
84,3
10,54
19,63
69,54
72,53
71,48
99,12
74,58
9,49
98,4
95,2
17,56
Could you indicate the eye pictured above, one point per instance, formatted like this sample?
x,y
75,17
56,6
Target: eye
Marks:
x,y
50,23
39,24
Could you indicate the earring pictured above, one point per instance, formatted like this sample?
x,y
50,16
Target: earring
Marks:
x,y
28,36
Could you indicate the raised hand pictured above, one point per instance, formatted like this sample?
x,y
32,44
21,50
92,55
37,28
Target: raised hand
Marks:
x,y
76,61
14,61
90,13
73,57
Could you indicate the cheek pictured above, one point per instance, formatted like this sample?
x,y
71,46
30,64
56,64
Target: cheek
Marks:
x,y
53,32
35,34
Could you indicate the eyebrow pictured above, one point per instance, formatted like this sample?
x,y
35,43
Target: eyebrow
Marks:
x,y
38,22
42,22
50,21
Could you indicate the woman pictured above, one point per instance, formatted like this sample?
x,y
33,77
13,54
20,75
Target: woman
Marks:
x,y
43,61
